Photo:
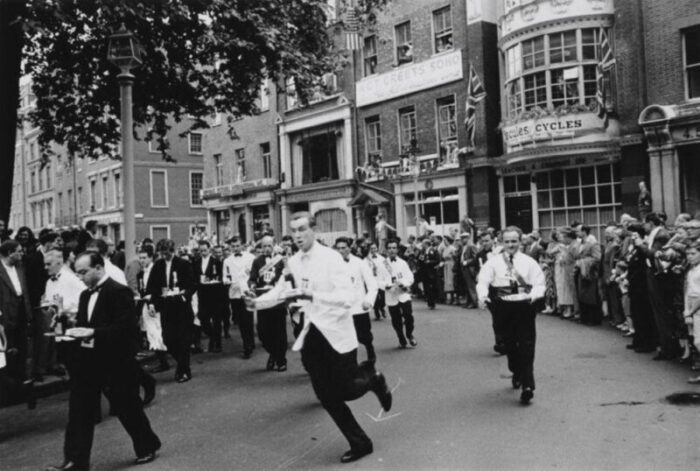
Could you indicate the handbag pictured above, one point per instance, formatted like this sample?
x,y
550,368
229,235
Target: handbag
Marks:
x,y
538,304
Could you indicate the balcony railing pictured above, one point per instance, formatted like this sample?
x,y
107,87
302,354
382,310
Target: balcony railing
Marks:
x,y
237,189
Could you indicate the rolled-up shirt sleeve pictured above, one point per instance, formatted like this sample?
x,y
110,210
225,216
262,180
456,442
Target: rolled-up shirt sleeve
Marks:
x,y
484,280
537,281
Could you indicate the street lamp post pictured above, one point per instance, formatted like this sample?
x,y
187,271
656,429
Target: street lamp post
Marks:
x,y
124,51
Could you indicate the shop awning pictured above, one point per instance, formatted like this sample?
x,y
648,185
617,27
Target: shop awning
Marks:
x,y
369,196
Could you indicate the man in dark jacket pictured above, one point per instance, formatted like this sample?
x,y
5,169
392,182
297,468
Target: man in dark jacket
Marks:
x,y
207,271
428,261
103,358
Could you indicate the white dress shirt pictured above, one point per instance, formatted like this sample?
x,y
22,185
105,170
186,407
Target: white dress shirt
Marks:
x,y
381,274
237,271
114,272
322,271
398,292
205,262
14,277
146,275
68,286
364,284
94,295
496,273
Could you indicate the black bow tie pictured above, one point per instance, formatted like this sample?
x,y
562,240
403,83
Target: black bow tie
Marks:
x,y
238,255
55,277
94,290
392,259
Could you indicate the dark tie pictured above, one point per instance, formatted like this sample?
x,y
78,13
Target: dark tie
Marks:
x,y
393,259
510,257
238,255
94,290
55,277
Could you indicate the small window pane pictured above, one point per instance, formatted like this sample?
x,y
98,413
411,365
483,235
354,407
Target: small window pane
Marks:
x,y
588,176
588,196
543,199
543,180
524,182
572,197
618,193
557,178
509,184
605,194
571,177
558,198
694,82
603,174
692,46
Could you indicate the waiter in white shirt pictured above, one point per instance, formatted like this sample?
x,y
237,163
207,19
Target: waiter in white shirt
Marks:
x,y
62,294
328,341
398,297
364,294
512,283
237,269
377,264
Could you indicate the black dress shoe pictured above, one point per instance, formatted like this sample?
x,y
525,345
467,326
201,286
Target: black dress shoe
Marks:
x,y
662,357
69,466
412,342
526,396
379,387
631,346
282,367
149,389
516,383
196,350
270,363
29,392
354,455
645,349
247,354
184,377
146,458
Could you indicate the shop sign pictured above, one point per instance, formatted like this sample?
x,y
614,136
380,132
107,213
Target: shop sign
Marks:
x,y
550,128
441,69
689,134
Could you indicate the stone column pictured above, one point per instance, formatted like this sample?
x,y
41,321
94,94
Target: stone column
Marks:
x,y
347,148
285,158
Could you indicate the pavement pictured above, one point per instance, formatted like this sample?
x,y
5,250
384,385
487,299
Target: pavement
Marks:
x,y
598,406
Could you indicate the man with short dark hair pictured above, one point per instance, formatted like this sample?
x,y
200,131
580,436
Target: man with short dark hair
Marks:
x,y
398,298
512,283
103,359
237,268
208,283
328,341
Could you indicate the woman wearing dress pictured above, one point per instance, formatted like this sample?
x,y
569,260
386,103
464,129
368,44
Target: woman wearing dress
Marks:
x,y
564,280
448,256
547,262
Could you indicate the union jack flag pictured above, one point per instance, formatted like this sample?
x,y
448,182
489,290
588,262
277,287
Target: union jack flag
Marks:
x,y
352,29
475,93
607,60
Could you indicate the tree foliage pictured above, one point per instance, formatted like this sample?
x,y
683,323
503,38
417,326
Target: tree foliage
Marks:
x,y
200,57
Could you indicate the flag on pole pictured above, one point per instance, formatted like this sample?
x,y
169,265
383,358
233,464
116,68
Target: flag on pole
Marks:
x,y
607,60
475,93
352,29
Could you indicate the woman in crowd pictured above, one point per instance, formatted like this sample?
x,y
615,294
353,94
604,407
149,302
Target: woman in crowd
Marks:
x,y
645,336
691,311
564,262
448,260
547,263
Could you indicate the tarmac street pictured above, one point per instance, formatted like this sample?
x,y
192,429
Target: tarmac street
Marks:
x,y
597,406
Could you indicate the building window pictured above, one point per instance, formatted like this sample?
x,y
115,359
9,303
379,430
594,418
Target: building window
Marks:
x,y
569,80
59,197
195,143
49,211
159,189
266,159
533,53
105,192
265,95
219,170
80,200
562,47
590,195
319,157
447,119
49,177
373,137
93,194
32,181
407,126
440,208
240,165
442,29
117,190
196,185
691,59
160,232
535,90
331,220
369,53
404,45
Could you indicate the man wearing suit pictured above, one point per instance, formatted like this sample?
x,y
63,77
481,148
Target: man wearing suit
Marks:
x,y
207,272
272,322
14,317
103,358
171,287
428,260
658,286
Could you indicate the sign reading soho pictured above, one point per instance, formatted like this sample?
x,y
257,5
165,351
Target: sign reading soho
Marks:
x,y
549,128
436,71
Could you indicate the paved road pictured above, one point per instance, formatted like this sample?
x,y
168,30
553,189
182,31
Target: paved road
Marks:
x,y
598,406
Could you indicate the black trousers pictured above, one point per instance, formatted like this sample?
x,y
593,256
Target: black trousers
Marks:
x,y
519,335
661,300
470,286
430,289
176,321
86,387
363,328
211,313
336,378
402,318
496,324
379,304
645,335
246,324
272,331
